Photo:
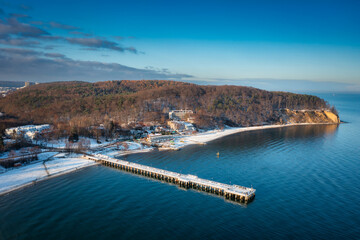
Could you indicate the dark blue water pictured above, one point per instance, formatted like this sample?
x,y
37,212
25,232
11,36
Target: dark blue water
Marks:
x,y
307,180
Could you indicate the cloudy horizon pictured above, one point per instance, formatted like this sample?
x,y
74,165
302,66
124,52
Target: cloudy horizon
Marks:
x,y
39,43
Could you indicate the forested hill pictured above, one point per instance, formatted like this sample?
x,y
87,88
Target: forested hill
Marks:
x,y
147,100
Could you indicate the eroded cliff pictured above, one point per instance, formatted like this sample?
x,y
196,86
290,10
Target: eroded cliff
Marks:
x,y
308,116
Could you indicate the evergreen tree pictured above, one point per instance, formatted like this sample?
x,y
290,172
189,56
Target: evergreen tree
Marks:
x,y
74,136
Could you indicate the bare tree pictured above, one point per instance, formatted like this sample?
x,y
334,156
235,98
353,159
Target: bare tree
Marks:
x,y
34,152
68,146
12,154
83,145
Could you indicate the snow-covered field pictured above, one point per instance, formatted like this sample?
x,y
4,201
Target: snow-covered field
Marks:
x,y
131,147
22,151
22,176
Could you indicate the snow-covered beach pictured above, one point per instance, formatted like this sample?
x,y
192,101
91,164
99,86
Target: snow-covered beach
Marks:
x,y
205,137
58,164
26,175
61,164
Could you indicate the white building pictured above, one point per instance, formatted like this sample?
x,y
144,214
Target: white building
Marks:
x,y
180,114
181,126
29,131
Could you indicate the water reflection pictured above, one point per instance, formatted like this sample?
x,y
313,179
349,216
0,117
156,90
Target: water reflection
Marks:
x,y
277,136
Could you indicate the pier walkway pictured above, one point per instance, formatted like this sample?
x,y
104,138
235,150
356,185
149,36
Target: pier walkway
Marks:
x,y
232,192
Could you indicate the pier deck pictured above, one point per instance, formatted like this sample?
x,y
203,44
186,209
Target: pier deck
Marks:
x,y
232,192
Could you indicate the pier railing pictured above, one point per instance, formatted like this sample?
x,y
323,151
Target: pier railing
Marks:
x,y
232,192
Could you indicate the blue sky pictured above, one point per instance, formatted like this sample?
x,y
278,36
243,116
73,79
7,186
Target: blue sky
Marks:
x,y
266,44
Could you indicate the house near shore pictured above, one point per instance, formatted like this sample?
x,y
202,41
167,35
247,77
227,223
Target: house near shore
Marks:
x,y
158,138
181,126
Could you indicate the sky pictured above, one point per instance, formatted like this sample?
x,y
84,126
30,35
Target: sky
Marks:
x,y
275,45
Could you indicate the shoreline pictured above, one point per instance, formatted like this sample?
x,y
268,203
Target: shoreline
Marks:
x,y
203,138
200,138
33,181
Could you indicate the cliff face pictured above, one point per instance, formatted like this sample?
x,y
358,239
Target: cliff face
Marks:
x,y
332,116
308,116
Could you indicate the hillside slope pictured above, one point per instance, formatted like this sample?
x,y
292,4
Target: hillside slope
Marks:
x,y
143,101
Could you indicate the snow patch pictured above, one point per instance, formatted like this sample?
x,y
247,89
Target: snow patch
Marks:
x,y
15,178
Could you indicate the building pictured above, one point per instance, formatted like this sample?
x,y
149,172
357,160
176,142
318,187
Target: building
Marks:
x,y
158,138
28,84
181,126
190,119
180,114
29,131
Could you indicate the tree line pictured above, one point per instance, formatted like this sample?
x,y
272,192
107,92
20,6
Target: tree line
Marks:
x,y
80,104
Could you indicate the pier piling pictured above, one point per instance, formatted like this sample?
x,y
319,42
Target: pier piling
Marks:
x,y
231,192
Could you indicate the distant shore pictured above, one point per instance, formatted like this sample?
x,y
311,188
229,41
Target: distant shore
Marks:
x,y
31,174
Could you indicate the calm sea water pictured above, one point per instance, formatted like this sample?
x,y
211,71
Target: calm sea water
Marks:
x,y
307,180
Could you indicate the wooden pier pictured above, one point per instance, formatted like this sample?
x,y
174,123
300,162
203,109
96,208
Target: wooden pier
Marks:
x,y
231,192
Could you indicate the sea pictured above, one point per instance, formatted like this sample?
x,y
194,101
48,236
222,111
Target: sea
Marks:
x,y
307,181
